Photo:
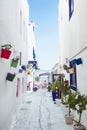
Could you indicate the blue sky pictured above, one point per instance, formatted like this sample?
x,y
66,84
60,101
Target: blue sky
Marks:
x,y
45,15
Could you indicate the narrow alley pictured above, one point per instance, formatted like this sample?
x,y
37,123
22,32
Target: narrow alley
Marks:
x,y
38,112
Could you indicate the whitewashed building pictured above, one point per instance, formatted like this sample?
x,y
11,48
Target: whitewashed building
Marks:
x,y
72,23
31,52
14,30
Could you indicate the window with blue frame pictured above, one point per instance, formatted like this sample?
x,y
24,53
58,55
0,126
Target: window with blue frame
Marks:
x,y
34,55
71,8
73,78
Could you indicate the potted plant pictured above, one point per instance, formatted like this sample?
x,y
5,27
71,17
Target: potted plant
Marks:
x,y
81,102
5,51
64,91
71,102
28,72
65,67
20,70
14,62
10,76
59,85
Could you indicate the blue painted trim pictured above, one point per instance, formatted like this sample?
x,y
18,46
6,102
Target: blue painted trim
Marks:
x,y
71,8
73,84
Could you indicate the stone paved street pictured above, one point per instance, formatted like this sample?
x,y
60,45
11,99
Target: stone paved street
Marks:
x,y
38,112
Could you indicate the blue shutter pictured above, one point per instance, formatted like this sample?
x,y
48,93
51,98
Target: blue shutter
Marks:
x,y
34,55
71,8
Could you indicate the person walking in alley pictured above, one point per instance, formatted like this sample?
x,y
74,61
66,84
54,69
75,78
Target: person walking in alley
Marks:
x,y
49,86
45,84
28,86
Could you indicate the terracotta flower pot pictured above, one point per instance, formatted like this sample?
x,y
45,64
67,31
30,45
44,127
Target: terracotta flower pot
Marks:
x,y
79,127
69,119
5,53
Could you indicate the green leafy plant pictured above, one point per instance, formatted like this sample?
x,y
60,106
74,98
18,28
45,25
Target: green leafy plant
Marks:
x,y
62,76
65,67
71,101
7,46
37,78
65,89
57,83
60,82
80,106
54,85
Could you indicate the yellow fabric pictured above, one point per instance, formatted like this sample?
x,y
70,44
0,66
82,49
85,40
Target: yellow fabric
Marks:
x,y
71,70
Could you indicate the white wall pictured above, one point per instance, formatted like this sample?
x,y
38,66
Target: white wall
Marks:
x,y
73,34
73,39
32,40
10,33
32,43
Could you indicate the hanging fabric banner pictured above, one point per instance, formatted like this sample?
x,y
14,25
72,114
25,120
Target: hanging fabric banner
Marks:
x,y
71,70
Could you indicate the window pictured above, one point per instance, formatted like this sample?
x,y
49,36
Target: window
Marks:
x,y
73,80
71,8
